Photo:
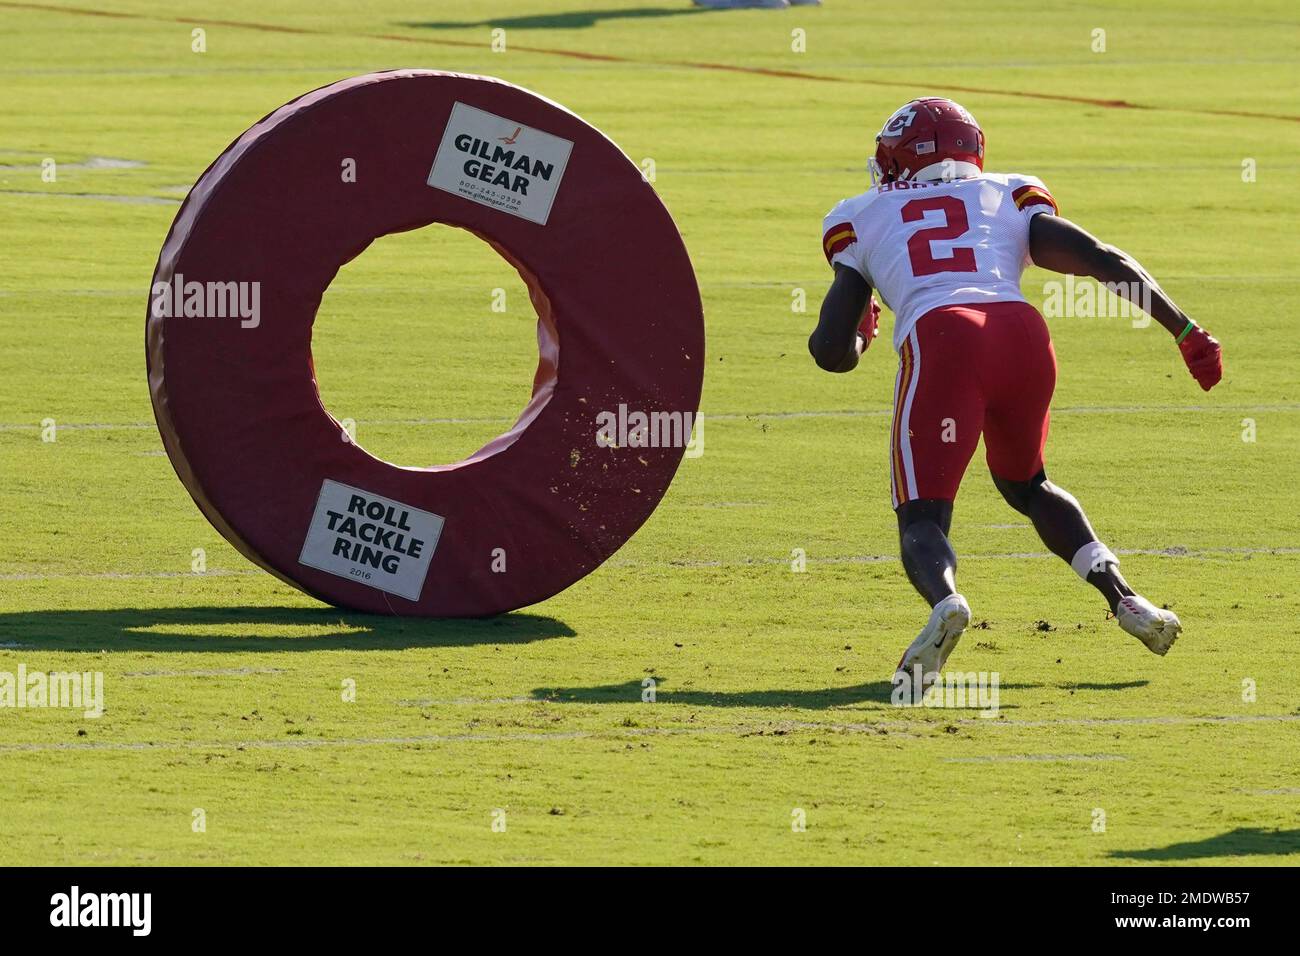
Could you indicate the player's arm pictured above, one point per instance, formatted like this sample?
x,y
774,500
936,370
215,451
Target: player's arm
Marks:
x,y
837,343
1057,244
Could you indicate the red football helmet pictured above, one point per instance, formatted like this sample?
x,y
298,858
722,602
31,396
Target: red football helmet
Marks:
x,y
931,134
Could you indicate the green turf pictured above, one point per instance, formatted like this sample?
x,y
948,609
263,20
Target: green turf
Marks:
x,y
224,689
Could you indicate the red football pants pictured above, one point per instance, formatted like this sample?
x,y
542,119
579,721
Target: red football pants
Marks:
x,y
965,371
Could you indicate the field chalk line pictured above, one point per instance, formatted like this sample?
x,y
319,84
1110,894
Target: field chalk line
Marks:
x,y
720,416
1169,552
740,730
626,60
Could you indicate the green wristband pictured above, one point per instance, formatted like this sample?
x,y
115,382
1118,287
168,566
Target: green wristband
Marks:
x,y
1185,332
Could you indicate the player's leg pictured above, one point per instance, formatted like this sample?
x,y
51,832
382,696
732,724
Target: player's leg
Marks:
x,y
931,566
1015,433
1061,523
936,427
1063,526
1022,375
928,557
938,411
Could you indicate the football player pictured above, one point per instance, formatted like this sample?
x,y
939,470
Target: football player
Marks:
x,y
945,243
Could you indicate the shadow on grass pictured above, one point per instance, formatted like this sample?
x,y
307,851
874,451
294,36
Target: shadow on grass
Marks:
x,y
878,692
1243,841
244,629
572,20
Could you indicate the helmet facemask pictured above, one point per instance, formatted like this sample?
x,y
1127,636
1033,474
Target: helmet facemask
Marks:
x,y
880,166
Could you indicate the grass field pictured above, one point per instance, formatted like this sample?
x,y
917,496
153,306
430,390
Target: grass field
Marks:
x,y
223,688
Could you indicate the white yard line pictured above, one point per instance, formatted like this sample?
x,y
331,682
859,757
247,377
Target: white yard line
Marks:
x,y
646,66
302,742
133,576
1170,552
468,701
222,672
135,291
741,730
1077,721
95,197
1027,758
718,417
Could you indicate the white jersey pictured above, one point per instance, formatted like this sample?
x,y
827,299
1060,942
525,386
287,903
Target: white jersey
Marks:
x,y
925,245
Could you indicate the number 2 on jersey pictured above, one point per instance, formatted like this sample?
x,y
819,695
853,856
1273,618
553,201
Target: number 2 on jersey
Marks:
x,y
955,225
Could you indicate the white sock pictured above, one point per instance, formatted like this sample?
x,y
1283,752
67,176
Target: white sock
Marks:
x,y
1093,556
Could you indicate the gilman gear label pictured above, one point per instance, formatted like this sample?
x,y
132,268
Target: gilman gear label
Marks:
x,y
497,162
371,539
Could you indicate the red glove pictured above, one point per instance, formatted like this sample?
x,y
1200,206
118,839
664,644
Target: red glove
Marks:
x,y
869,327
1204,357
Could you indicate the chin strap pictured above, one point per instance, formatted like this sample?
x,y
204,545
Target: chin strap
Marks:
x,y
946,171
